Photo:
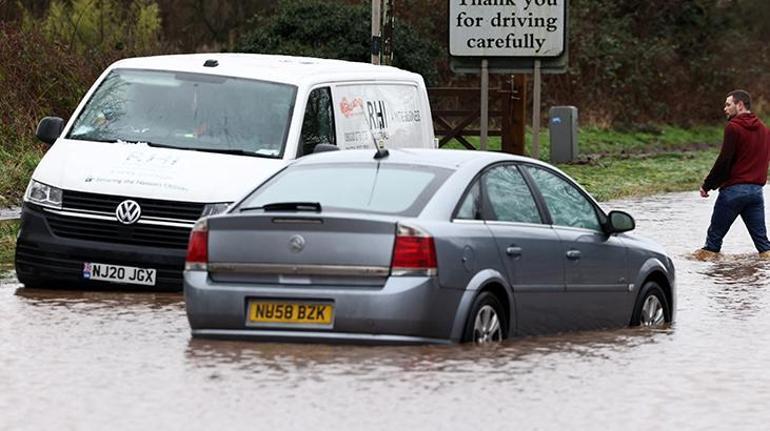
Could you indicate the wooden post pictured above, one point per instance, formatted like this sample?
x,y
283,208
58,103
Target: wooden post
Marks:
x,y
519,113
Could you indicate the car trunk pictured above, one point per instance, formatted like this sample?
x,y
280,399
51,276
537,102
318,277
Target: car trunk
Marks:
x,y
301,249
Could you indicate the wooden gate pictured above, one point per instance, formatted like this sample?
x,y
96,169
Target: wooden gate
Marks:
x,y
456,110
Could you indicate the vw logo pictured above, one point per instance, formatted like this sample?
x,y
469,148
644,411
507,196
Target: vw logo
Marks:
x,y
296,243
128,212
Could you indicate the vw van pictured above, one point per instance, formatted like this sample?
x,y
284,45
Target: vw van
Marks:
x,y
158,142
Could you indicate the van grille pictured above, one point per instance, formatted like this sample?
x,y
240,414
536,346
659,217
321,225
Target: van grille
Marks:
x,y
191,211
117,233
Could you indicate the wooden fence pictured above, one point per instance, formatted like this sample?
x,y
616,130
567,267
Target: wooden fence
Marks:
x,y
456,114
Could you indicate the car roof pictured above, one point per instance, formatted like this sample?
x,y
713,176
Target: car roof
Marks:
x,y
452,159
276,68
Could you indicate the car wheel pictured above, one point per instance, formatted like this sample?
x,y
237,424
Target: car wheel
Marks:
x,y
486,322
652,307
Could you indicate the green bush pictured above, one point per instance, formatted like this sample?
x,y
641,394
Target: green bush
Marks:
x,y
50,62
318,28
103,25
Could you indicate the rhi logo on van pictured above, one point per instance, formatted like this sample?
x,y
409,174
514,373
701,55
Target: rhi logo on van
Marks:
x,y
377,114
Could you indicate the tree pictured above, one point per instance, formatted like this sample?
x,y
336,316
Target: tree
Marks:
x,y
318,28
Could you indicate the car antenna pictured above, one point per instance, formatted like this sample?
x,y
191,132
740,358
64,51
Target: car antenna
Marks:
x,y
382,152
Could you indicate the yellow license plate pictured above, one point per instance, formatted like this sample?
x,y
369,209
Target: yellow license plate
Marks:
x,y
290,312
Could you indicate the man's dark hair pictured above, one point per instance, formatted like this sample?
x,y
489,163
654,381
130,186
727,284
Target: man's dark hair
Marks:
x,y
741,95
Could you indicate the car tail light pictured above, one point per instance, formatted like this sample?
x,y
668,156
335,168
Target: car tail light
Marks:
x,y
198,247
414,252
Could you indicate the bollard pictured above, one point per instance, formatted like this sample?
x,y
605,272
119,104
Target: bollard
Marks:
x,y
562,126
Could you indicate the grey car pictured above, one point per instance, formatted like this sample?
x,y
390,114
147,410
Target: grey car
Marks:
x,y
420,246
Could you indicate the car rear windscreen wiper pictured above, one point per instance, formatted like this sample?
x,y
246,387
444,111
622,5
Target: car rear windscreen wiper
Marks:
x,y
286,206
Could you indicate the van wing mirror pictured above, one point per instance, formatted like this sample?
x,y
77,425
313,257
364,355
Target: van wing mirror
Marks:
x,y
49,129
620,221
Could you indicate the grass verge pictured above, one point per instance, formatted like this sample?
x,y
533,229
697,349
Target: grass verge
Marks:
x,y
8,232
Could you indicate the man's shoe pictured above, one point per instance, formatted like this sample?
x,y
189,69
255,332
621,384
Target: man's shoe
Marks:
x,y
765,255
703,254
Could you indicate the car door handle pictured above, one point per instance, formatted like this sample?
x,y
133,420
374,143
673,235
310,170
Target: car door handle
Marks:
x,y
513,251
573,254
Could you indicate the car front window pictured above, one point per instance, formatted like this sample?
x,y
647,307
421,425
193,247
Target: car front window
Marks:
x,y
568,207
188,111
509,197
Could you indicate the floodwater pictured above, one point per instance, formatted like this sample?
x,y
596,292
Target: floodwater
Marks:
x,y
99,360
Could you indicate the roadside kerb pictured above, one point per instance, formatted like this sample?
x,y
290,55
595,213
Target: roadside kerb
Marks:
x,y
10,213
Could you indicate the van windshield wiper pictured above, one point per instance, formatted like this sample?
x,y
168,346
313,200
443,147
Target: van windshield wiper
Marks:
x,y
286,206
236,151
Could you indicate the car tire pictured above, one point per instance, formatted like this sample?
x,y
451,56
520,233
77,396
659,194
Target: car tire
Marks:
x,y
487,323
652,309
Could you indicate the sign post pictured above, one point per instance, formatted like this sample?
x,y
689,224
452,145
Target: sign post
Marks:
x,y
509,36
484,120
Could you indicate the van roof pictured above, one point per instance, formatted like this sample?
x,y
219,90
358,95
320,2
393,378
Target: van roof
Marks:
x,y
276,68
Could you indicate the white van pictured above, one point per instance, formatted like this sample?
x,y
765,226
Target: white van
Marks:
x,y
158,142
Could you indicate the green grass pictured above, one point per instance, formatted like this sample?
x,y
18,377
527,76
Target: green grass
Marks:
x,y
614,164
16,165
8,232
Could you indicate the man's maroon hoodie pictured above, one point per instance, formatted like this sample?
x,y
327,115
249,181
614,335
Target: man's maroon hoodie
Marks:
x,y
745,154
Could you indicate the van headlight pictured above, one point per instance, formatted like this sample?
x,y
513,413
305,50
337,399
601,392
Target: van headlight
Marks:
x,y
43,195
218,208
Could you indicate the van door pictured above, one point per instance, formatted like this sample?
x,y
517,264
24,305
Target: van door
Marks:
x,y
318,123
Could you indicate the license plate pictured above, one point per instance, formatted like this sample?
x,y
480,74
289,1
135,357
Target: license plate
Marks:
x,y
119,274
302,313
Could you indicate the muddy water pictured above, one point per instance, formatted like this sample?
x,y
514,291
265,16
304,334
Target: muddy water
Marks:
x,y
99,360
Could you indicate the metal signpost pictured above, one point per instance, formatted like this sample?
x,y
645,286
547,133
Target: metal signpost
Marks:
x,y
508,36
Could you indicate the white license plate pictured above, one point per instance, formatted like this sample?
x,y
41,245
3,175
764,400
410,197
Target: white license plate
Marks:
x,y
119,274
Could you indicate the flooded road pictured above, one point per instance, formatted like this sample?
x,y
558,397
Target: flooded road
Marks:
x,y
99,360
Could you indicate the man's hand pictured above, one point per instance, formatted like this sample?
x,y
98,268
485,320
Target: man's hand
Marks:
x,y
703,193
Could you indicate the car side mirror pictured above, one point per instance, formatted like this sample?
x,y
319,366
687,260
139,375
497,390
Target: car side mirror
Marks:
x,y
620,221
49,129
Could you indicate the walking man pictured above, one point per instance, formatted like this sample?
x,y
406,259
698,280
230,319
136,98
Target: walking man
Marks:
x,y
739,173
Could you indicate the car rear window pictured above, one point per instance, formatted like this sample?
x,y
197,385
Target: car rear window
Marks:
x,y
367,187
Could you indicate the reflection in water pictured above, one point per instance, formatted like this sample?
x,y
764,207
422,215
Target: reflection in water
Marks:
x,y
739,284
122,360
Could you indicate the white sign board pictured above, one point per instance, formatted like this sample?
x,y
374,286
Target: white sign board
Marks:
x,y
389,114
507,28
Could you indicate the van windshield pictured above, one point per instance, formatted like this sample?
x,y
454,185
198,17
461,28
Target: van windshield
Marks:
x,y
189,111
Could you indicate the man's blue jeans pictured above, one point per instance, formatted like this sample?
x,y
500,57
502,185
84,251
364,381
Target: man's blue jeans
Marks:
x,y
745,200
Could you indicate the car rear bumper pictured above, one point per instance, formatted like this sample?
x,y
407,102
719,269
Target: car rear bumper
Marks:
x,y
406,310
44,259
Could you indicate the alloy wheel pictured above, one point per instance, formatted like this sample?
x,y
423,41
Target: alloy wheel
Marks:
x,y
486,327
652,312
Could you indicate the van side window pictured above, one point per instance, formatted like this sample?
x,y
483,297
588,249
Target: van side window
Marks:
x,y
318,124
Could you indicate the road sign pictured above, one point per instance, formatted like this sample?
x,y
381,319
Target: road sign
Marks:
x,y
507,28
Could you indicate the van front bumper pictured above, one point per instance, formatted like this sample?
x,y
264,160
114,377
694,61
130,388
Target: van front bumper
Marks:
x,y
44,259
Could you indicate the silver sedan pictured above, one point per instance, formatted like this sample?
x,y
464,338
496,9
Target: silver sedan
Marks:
x,y
420,246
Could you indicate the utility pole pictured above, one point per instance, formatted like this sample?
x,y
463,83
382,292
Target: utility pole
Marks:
x,y
388,26
383,23
376,31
